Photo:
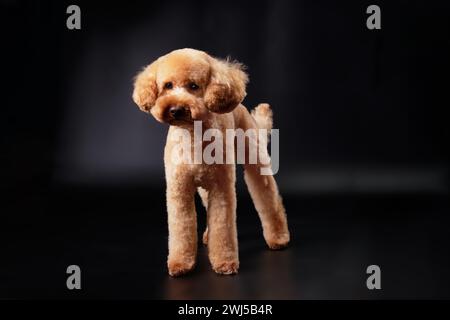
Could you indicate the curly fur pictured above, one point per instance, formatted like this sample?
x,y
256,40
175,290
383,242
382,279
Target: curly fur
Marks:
x,y
210,90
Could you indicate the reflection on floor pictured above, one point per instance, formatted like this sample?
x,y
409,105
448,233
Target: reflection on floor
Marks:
x,y
119,239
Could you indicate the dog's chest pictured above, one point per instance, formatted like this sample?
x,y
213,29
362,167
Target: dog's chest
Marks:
x,y
204,176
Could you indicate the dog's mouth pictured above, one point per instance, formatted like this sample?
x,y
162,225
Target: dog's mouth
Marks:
x,y
180,122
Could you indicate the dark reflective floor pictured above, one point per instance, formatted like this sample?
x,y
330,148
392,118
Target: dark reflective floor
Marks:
x,y
119,240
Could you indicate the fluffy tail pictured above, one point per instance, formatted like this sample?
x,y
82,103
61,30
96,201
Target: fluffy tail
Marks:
x,y
263,116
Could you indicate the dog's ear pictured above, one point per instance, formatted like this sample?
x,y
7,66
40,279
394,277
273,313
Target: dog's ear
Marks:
x,y
145,88
226,87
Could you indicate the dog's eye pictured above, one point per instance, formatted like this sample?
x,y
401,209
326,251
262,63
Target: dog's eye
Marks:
x,y
193,86
168,85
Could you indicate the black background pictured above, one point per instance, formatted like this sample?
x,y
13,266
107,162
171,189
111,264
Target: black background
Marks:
x,y
363,155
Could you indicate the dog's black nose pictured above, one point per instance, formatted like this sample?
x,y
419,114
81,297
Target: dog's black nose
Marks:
x,y
176,112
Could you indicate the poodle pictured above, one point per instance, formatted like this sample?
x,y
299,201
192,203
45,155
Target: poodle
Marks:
x,y
180,88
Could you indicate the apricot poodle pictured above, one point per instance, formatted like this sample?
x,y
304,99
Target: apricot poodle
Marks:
x,y
188,85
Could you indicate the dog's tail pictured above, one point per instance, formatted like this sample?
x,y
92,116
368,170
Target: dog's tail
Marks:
x,y
263,116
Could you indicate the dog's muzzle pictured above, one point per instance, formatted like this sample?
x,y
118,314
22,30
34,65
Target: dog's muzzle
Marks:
x,y
179,113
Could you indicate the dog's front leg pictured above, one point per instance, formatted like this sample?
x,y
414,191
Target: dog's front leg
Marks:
x,y
222,233
182,221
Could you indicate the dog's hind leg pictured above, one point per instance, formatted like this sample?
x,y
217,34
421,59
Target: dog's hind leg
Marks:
x,y
263,188
204,196
264,192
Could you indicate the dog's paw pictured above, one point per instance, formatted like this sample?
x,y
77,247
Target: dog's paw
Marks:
x,y
226,268
279,242
179,268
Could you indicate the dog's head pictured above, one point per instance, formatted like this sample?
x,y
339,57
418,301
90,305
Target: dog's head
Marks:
x,y
186,84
